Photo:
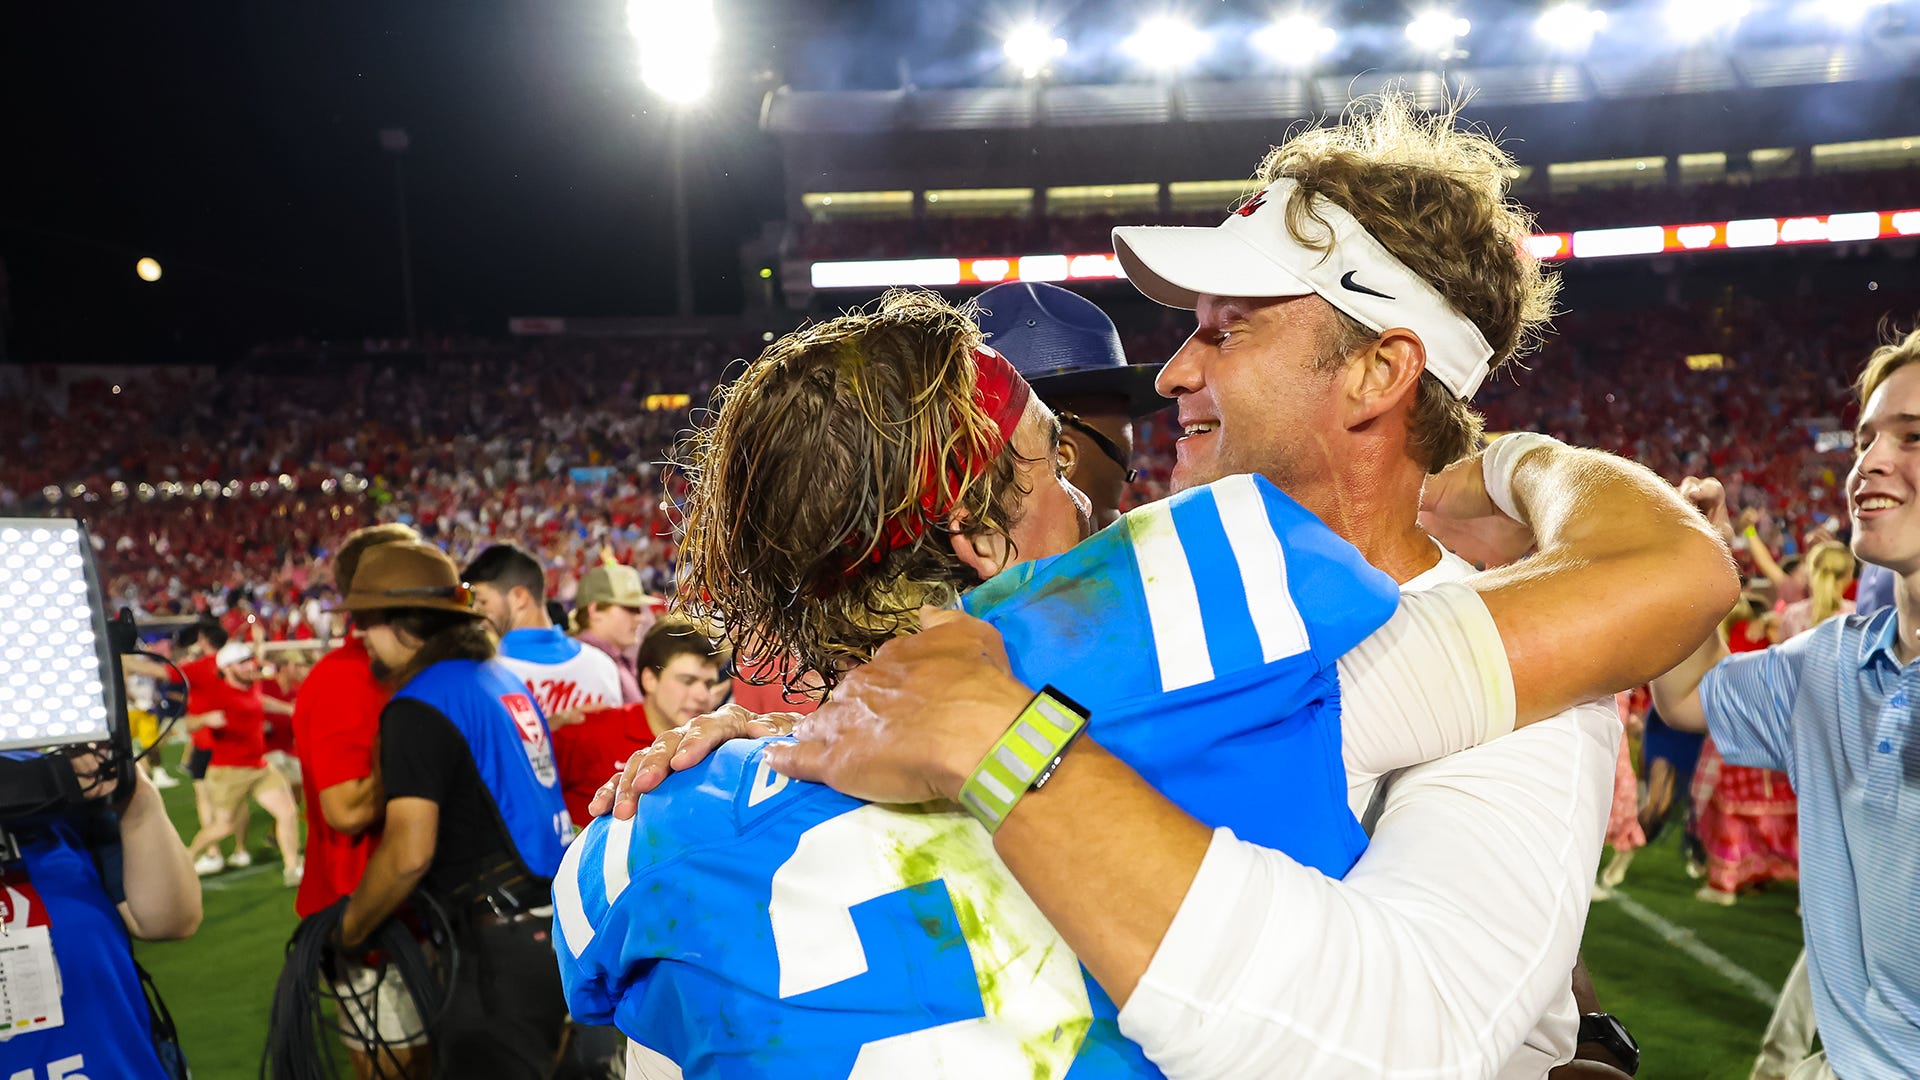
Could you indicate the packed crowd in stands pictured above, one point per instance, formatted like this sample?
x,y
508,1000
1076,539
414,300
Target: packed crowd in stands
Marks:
x,y
549,443
1890,189
205,488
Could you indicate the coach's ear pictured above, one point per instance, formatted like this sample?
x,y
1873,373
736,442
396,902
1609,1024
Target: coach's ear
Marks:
x,y
985,553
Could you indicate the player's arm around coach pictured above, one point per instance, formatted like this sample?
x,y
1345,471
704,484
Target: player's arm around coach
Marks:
x,y
915,723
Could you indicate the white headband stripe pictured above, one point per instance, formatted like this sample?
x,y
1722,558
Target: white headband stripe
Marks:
x,y
1253,253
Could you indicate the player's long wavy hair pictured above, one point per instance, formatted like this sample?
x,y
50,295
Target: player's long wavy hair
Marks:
x,y
837,430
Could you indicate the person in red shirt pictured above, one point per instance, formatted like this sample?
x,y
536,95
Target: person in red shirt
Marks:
x,y
680,679
283,685
199,643
239,767
336,724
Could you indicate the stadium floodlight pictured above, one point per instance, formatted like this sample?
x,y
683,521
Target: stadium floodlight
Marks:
x,y
1167,44
677,39
57,673
1849,12
1697,20
1437,31
147,270
1031,47
1295,40
1569,26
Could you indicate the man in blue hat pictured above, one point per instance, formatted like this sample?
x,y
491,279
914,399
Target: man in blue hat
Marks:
x,y
1069,352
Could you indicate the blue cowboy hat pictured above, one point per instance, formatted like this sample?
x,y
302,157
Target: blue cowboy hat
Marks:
x,y
1065,346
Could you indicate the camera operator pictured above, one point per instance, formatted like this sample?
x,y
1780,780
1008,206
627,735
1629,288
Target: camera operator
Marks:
x,y
474,817
74,885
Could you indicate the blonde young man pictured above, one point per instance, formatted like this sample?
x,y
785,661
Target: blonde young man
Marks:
x,y
1833,708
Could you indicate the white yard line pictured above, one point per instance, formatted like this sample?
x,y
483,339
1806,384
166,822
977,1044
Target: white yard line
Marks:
x,y
1683,939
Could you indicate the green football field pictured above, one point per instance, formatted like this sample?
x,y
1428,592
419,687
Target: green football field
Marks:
x,y
1688,978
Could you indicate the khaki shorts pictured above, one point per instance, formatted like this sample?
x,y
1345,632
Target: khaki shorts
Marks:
x,y
228,786
288,765
376,1001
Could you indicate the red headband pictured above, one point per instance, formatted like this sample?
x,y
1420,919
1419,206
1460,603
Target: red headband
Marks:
x,y
1002,394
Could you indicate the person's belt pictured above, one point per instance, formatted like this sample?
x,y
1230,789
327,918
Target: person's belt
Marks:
x,y
516,900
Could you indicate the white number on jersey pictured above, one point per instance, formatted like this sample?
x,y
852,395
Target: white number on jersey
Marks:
x,y
1037,1012
67,1068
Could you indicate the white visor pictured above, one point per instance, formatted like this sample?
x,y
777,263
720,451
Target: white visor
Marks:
x,y
232,654
1253,254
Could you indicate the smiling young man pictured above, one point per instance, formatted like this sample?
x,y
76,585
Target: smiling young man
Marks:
x,y
1228,614
1834,709
680,679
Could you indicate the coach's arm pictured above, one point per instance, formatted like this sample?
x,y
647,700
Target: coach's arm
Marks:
x,y
913,724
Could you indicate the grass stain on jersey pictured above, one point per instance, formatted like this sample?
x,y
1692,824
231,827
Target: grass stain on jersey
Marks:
x,y
1020,962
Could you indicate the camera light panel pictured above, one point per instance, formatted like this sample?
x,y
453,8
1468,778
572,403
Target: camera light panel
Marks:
x,y
54,661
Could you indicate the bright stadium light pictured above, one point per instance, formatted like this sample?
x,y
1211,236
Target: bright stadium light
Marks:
x,y
677,39
1295,40
1569,26
1696,20
1167,44
1849,12
1031,47
1436,31
56,670
147,269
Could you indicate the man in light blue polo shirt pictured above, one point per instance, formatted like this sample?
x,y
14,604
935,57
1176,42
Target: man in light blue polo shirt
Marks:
x,y
1834,709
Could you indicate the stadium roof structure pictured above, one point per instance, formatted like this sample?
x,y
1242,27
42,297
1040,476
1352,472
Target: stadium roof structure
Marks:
x,y
1041,133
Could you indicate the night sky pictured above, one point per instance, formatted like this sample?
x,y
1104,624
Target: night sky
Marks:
x,y
238,143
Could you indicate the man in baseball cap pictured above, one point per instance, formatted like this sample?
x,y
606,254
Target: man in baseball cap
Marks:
x,y
611,611
237,768
1070,353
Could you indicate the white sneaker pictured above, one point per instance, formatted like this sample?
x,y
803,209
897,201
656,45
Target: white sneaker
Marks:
x,y
210,863
294,873
164,780
240,859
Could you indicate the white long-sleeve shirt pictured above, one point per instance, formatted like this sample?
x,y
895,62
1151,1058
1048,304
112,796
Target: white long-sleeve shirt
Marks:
x,y
1447,951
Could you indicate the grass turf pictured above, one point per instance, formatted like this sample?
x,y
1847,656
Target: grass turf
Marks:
x,y
1692,1024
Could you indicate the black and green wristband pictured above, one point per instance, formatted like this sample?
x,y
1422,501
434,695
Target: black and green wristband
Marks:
x,y
1024,757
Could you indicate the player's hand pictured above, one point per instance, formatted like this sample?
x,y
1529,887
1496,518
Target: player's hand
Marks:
x,y
1456,510
682,748
912,725
570,717
215,719
1710,498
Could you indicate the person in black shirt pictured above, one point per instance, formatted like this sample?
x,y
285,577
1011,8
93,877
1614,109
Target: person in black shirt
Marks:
x,y
462,743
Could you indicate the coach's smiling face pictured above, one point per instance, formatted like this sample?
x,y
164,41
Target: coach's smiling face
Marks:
x,y
1254,393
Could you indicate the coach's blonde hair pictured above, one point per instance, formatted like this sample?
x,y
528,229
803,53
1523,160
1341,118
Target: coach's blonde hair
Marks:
x,y
1433,191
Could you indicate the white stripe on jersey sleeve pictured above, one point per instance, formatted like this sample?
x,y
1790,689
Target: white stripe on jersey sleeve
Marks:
x,y
1173,603
645,1064
613,862
568,912
1263,568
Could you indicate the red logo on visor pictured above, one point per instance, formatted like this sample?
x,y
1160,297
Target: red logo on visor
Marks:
x,y
1253,204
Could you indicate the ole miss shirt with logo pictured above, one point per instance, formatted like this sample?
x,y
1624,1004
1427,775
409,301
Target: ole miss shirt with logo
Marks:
x,y
562,673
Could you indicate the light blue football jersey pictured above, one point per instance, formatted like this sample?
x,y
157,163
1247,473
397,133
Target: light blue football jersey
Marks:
x,y
742,925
